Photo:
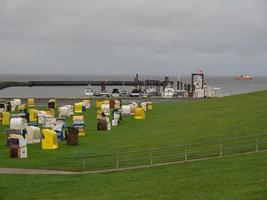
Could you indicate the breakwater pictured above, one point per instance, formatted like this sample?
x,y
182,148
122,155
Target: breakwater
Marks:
x,y
7,84
64,83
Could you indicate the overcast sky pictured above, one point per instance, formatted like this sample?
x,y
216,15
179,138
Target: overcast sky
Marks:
x,y
222,37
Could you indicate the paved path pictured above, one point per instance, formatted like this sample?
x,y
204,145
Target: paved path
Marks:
x,y
33,171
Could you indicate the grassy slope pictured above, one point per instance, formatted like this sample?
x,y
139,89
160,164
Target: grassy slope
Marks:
x,y
169,123
238,177
231,178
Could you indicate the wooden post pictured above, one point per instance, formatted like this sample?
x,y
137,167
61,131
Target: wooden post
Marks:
x,y
117,161
151,159
221,149
185,153
83,163
257,145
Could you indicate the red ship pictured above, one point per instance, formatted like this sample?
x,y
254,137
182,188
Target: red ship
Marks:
x,y
244,77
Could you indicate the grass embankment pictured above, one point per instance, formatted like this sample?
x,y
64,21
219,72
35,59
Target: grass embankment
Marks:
x,y
238,177
169,123
232,178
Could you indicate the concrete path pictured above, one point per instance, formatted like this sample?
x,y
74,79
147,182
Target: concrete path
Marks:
x,y
33,171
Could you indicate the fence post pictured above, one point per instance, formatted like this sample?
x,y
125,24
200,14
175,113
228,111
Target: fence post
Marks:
x,y
221,149
257,145
117,161
83,163
151,159
185,152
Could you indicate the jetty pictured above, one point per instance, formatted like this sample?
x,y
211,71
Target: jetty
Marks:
x,y
136,82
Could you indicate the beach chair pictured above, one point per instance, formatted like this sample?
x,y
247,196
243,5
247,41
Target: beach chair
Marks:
x,y
49,140
139,113
72,136
5,118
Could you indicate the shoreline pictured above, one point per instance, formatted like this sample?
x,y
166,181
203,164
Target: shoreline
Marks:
x,y
72,100
121,98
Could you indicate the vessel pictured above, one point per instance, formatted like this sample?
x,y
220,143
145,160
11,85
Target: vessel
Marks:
x,y
88,91
151,91
124,93
135,93
104,93
244,77
168,92
115,92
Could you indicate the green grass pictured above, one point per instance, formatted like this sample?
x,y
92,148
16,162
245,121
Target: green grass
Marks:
x,y
169,123
240,177
231,178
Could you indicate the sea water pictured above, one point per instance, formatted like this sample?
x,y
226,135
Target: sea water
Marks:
x,y
228,85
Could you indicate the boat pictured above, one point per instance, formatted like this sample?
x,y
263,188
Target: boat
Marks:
x,y
151,91
124,93
97,94
115,92
168,92
104,93
88,91
145,94
244,77
135,93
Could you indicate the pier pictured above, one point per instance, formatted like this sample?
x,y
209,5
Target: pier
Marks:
x,y
7,84
137,83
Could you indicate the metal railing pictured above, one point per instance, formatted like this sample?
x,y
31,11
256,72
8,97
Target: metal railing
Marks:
x,y
165,155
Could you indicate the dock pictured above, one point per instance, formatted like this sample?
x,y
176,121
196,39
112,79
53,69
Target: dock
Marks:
x,y
8,84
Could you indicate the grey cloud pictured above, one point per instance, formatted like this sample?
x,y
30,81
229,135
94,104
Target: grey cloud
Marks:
x,y
149,36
